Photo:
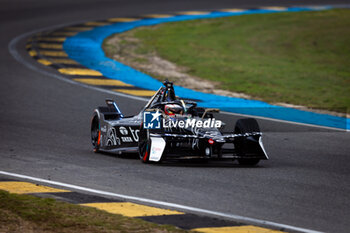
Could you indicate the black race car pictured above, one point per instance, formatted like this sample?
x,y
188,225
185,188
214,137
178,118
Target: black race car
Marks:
x,y
172,128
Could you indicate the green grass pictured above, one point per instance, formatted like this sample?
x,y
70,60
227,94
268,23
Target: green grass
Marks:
x,y
298,58
24,213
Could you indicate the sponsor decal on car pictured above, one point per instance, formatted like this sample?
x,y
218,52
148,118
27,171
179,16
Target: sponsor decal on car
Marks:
x,y
134,134
123,130
127,139
112,139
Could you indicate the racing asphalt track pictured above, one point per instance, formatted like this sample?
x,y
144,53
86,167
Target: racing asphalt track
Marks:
x,y
44,132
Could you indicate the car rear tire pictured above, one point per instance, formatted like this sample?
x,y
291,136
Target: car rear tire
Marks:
x,y
247,125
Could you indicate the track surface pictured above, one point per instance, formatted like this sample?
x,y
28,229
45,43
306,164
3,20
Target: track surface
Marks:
x,y
44,132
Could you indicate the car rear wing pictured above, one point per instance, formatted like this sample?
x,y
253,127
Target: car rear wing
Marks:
x,y
112,108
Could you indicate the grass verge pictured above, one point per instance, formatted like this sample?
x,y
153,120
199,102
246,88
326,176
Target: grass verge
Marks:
x,y
24,213
296,58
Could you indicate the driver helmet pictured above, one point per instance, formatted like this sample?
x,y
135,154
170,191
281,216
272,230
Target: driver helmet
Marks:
x,y
172,109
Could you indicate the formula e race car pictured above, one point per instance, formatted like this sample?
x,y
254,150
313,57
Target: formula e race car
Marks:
x,y
171,128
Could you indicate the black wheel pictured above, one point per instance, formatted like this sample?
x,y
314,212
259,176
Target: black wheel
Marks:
x,y
95,133
247,125
144,145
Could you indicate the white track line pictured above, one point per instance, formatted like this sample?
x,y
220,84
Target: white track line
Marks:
x,y
167,204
